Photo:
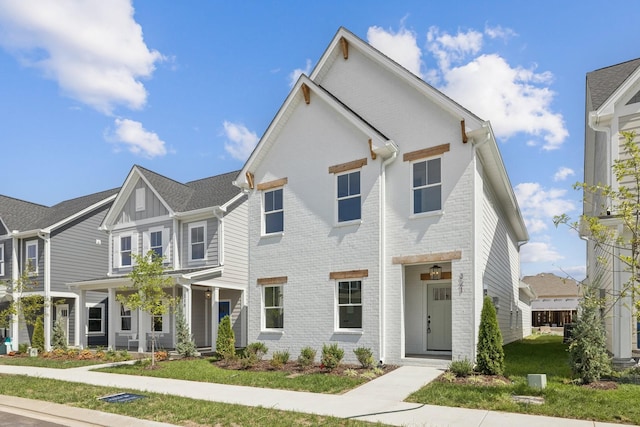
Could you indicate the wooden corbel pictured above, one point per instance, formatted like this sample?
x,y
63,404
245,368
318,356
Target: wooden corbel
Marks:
x,y
345,47
373,155
249,176
306,93
465,139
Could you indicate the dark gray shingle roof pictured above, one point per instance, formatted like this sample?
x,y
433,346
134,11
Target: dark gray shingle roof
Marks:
x,y
603,82
549,285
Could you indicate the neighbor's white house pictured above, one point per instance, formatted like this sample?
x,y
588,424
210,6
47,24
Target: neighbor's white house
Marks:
x,y
380,214
612,106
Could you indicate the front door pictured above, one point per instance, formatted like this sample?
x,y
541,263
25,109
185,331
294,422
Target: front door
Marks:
x,y
439,317
62,316
427,317
224,309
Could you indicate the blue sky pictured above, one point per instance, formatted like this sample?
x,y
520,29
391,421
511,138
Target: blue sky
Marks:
x,y
90,88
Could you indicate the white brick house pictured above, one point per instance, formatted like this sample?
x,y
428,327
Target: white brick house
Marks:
x,y
366,179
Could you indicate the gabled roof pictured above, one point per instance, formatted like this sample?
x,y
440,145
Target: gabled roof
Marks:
x,y
548,285
20,215
603,83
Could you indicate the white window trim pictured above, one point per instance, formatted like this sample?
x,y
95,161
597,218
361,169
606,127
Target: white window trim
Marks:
x,y
2,259
140,199
166,237
336,200
337,328
436,212
26,256
134,322
195,225
263,230
134,248
102,318
263,311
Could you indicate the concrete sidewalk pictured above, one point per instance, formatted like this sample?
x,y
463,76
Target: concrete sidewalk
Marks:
x,y
380,400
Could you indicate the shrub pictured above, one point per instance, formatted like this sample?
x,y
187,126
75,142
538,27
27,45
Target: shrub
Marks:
x,y
73,353
58,339
259,349
124,355
490,356
350,372
248,360
59,352
85,355
279,358
448,376
461,368
37,339
161,355
185,345
23,348
331,356
307,357
365,357
226,341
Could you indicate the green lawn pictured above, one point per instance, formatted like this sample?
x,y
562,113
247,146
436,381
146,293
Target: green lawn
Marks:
x,y
160,407
539,355
41,362
204,370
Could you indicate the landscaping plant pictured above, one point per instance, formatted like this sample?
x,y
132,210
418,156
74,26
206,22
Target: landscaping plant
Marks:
x,y
58,340
461,368
307,357
365,357
226,341
279,359
185,345
490,355
331,356
37,340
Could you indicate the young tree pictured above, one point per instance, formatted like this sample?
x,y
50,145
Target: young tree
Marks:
x,y
490,357
148,283
59,339
184,345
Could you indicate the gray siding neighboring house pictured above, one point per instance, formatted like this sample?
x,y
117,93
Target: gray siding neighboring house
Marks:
x,y
64,242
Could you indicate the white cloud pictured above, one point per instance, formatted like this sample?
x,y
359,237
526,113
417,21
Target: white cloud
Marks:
x,y
295,74
94,50
539,252
447,48
539,206
498,32
563,173
400,46
137,139
242,141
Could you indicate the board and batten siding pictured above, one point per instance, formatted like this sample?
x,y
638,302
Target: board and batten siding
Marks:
x,y
211,241
79,251
630,123
38,279
236,244
153,207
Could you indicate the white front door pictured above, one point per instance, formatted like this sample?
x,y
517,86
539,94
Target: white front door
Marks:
x,y
62,316
439,317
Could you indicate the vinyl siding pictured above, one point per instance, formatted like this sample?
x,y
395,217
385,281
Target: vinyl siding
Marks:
x,y
211,243
153,206
139,245
8,265
236,244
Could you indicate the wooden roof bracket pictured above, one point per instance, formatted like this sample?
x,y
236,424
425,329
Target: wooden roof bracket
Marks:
x,y
306,93
249,176
465,139
345,47
373,154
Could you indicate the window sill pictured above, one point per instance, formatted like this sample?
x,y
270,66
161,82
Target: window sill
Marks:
x,y
427,214
272,331
348,223
348,332
278,234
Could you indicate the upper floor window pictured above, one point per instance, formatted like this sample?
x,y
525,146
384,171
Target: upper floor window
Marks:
x,y
140,199
197,247
427,186
125,251
350,304
348,196
155,242
32,257
273,211
2,260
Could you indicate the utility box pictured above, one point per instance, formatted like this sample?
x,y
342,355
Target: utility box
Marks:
x,y
537,380
33,352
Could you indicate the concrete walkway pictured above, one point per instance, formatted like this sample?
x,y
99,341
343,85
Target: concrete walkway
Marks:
x,y
380,400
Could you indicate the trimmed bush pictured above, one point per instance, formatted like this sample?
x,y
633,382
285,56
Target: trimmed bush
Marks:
x,y
226,341
307,357
279,359
490,356
331,356
461,368
259,349
365,357
58,340
37,339
185,345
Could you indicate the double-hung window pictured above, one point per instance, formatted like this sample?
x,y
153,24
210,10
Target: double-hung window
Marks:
x,y
348,197
155,242
273,211
95,319
350,304
32,257
2,260
273,309
427,186
125,251
197,237
125,318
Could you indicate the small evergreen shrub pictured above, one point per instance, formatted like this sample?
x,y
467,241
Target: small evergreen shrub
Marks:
x,y
490,355
259,349
365,357
248,360
58,339
461,368
331,356
307,357
226,341
279,359
37,339
23,348
185,345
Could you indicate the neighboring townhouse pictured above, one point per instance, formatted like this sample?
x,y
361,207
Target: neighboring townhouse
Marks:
x,y
612,106
380,214
556,301
61,243
200,228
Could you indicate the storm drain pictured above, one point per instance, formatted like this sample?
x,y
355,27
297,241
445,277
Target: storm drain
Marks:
x,y
121,397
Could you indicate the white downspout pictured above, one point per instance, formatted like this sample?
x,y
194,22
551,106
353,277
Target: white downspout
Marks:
x,y
382,251
16,250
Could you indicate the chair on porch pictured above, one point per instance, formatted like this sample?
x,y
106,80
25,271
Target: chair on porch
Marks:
x,y
132,338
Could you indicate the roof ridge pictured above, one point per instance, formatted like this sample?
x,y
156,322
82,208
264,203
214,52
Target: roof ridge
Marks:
x,y
157,174
212,176
613,65
24,201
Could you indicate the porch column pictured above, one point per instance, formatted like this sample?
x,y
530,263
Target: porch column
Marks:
x,y
215,300
622,329
187,305
245,318
113,317
144,326
81,321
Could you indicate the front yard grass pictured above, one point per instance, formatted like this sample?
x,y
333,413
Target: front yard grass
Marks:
x,y
204,370
160,407
539,355
41,362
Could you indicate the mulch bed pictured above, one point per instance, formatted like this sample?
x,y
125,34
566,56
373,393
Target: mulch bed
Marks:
x,y
293,368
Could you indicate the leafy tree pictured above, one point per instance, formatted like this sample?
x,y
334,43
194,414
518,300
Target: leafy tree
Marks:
x,y
185,344
490,357
588,355
226,341
59,339
37,341
148,282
